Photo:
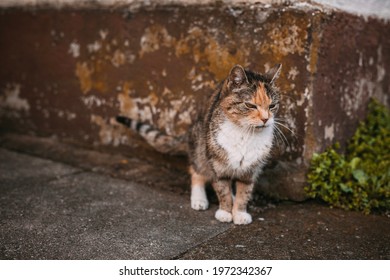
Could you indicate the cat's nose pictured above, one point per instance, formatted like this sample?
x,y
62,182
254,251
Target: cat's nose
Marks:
x,y
264,120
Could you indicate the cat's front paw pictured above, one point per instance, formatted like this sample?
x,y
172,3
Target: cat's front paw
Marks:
x,y
241,218
223,216
199,204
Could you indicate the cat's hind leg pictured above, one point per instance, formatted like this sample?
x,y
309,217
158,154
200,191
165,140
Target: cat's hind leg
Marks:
x,y
243,194
198,191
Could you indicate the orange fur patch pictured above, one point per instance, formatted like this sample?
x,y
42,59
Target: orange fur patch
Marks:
x,y
260,97
196,179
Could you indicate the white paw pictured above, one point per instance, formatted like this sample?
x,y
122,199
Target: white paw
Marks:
x,y
199,198
223,216
242,218
199,204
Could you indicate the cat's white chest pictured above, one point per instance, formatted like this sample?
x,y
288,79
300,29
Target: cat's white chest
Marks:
x,y
244,148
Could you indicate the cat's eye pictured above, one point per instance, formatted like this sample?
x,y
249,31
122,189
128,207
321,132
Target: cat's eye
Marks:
x,y
250,105
272,106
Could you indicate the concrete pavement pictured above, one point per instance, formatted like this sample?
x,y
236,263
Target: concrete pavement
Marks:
x,y
54,210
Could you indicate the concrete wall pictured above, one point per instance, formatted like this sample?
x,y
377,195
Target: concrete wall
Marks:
x,y
68,72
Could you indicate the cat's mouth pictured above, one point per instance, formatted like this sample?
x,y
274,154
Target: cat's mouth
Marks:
x,y
261,126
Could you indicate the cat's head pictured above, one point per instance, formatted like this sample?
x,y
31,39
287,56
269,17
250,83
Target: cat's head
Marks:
x,y
250,99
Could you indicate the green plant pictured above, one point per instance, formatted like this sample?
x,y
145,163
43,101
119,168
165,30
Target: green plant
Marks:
x,y
360,179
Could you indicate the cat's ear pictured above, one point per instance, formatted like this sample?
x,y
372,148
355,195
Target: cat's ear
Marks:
x,y
273,73
237,76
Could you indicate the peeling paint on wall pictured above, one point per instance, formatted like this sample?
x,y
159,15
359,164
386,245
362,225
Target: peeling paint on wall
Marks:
x,y
66,114
118,58
160,107
91,70
367,85
203,46
197,81
329,132
126,103
94,47
93,101
286,39
110,132
103,34
293,73
199,43
83,72
164,108
74,49
154,37
11,99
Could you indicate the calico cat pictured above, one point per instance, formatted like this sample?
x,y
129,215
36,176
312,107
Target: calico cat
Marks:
x,y
229,142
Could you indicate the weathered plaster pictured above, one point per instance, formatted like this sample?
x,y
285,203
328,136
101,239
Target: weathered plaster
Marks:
x,y
10,100
110,132
91,101
154,38
74,49
329,132
199,42
286,39
84,73
293,73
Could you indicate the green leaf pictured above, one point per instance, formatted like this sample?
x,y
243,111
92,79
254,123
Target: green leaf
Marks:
x,y
345,188
360,176
355,162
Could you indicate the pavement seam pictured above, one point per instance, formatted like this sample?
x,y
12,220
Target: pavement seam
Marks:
x,y
182,254
60,177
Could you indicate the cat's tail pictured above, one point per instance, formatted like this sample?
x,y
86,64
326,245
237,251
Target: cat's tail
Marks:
x,y
159,140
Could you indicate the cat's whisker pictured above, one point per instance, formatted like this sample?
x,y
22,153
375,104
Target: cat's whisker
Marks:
x,y
281,120
278,138
284,122
286,127
277,129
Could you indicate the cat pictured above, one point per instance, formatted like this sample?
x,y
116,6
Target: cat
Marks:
x,y
229,142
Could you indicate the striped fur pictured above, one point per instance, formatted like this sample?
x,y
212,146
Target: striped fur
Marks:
x,y
157,139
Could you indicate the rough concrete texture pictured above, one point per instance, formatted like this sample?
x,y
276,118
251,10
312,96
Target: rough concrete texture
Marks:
x,y
85,215
169,173
373,8
82,67
376,8
50,210
301,231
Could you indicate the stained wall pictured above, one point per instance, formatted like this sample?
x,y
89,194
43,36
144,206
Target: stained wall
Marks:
x,y
67,72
